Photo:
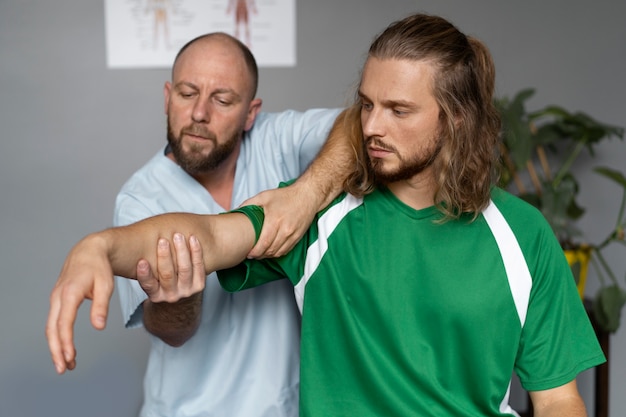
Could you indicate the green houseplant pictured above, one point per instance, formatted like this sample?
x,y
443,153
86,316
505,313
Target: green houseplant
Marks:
x,y
539,150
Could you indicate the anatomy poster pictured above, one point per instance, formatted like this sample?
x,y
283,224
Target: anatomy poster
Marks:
x,y
149,33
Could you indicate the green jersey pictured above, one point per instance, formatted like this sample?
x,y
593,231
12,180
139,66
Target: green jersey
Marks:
x,y
406,316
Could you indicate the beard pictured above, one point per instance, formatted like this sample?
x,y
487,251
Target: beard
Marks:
x,y
408,167
194,161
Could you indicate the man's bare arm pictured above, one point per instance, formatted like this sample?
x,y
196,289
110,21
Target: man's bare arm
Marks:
x,y
563,401
290,210
89,267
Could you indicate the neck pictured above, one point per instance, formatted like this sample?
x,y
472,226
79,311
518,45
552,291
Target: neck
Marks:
x,y
417,192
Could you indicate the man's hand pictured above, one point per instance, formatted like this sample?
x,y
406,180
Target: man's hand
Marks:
x,y
288,214
173,309
176,278
89,268
289,211
86,274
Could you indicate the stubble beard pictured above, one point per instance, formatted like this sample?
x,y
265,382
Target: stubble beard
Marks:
x,y
194,161
408,168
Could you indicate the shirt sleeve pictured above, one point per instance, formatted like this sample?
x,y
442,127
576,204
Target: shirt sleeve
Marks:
x,y
129,210
256,216
296,137
254,272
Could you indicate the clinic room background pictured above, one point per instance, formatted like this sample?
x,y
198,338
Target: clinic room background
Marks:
x,y
75,130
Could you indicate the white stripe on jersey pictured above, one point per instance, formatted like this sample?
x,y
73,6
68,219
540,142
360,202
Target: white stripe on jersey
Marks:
x,y
515,265
326,226
518,275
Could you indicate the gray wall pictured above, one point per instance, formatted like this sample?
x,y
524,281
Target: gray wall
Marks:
x,y
73,131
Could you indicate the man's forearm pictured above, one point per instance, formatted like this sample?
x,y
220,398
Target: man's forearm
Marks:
x,y
574,408
225,240
563,401
88,270
325,177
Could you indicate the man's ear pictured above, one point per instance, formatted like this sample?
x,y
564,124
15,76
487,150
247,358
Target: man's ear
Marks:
x,y
167,88
253,110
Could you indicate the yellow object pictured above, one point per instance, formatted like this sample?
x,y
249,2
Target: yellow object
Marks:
x,y
578,260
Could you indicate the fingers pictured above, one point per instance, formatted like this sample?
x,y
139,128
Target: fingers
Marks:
x,y
262,248
179,274
78,281
183,261
191,274
286,220
146,279
103,290
64,304
197,262
274,241
287,245
52,334
165,267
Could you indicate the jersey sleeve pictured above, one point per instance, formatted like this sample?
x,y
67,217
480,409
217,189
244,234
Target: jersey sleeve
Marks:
x,y
254,272
557,340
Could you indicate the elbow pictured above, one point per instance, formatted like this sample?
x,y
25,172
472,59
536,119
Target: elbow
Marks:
x,y
173,338
175,342
172,335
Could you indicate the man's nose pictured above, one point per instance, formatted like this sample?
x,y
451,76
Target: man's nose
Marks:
x,y
372,123
201,112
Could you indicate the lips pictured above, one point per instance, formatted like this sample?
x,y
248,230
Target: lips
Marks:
x,y
198,131
195,136
199,135
375,152
376,149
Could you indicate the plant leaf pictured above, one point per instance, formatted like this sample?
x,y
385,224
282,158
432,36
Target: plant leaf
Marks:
x,y
612,174
607,307
557,206
516,126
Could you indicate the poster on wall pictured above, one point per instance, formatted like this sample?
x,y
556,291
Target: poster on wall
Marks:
x,y
149,33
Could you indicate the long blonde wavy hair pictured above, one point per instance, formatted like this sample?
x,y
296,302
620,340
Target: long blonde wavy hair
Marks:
x,y
463,86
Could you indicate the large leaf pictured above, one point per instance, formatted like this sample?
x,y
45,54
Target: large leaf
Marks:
x,y
612,174
548,135
516,127
577,127
558,205
607,307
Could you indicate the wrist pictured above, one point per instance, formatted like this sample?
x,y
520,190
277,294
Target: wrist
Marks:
x,y
99,242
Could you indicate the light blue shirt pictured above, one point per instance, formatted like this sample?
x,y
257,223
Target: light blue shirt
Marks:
x,y
244,359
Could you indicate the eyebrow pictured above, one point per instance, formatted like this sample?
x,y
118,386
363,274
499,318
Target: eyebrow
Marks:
x,y
213,93
180,84
391,103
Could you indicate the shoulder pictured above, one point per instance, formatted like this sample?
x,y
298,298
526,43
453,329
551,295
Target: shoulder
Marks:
x,y
274,120
159,184
527,223
341,206
514,209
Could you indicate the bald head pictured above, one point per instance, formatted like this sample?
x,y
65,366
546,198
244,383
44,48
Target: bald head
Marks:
x,y
211,46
